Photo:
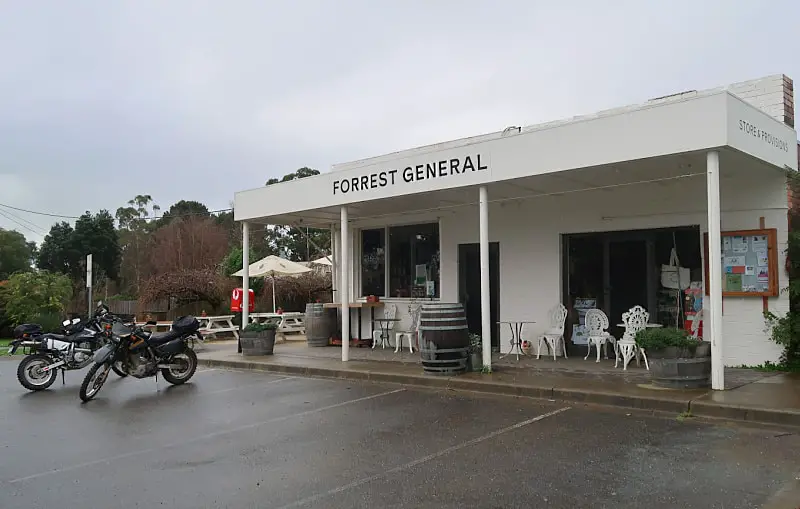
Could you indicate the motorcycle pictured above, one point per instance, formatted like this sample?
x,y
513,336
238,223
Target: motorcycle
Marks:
x,y
143,354
49,353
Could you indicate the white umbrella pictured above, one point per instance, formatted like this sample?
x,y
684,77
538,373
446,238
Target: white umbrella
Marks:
x,y
322,261
274,266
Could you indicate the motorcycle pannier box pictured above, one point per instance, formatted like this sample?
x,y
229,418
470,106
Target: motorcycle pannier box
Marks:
x,y
27,329
185,324
171,347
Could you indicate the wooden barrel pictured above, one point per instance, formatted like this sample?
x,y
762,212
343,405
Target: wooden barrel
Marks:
x,y
444,338
681,368
319,323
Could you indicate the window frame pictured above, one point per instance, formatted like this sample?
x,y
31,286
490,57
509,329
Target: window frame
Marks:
x,y
387,259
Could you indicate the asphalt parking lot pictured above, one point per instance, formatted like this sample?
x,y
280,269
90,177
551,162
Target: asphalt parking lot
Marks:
x,y
253,440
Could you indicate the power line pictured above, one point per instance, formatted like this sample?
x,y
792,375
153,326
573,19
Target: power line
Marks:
x,y
64,216
2,213
32,225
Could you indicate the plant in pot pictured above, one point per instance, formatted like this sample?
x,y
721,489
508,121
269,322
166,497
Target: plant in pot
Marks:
x,y
475,352
258,338
676,359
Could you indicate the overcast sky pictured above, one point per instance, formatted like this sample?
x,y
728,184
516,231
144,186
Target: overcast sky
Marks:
x,y
187,99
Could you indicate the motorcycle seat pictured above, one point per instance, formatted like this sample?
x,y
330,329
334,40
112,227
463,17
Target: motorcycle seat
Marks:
x,y
163,337
57,337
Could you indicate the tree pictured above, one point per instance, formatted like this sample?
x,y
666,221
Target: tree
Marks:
x,y
16,254
232,263
57,253
65,248
183,208
96,235
135,227
32,296
188,285
296,243
303,172
188,243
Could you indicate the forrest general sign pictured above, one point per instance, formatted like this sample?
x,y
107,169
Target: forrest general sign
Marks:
x,y
444,168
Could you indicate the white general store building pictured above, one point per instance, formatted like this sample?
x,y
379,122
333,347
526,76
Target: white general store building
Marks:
x,y
513,222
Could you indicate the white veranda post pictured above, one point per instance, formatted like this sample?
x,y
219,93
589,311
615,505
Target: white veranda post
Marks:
x,y
344,247
713,311
246,273
486,317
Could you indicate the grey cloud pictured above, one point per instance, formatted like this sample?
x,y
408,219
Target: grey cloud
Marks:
x,y
199,99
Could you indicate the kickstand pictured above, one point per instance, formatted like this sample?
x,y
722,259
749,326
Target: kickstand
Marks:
x,y
63,379
156,381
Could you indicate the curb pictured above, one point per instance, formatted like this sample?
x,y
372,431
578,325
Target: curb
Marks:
x,y
545,392
694,407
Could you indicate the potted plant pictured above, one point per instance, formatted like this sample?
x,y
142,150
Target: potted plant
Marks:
x,y
258,338
676,359
475,352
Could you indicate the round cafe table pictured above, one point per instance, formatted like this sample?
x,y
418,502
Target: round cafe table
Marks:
x,y
385,323
516,336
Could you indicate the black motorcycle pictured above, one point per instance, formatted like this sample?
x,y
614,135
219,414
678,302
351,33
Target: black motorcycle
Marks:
x,y
142,354
49,353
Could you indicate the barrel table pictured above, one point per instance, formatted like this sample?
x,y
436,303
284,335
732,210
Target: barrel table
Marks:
x,y
320,324
444,338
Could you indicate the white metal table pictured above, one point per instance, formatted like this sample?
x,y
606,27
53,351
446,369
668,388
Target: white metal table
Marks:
x,y
516,336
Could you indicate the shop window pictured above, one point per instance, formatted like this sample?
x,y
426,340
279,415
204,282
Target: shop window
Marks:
x,y
414,260
408,254
373,262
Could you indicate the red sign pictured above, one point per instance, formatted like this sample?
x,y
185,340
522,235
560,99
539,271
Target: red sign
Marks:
x,y
237,298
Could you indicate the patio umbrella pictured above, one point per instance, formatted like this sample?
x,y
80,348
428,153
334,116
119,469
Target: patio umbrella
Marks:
x,y
274,266
322,261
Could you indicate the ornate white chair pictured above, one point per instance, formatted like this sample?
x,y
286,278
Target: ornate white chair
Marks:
x,y
596,324
555,334
389,311
411,333
635,319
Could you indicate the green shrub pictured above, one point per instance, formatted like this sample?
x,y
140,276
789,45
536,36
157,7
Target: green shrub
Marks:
x,y
658,338
261,327
475,343
31,295
785,331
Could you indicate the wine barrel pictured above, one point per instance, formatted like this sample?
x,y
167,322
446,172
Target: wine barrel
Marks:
x,y
444,338
319,323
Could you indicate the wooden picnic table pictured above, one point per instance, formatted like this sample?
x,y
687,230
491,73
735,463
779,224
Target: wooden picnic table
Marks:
x,y
287,322
212,325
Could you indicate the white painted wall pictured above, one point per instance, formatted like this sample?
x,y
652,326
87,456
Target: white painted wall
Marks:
x,y
529,234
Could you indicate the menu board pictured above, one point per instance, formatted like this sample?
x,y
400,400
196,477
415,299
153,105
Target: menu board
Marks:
x,y
749,263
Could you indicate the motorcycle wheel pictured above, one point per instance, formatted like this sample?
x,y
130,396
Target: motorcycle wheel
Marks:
x,y
118,370
177,376
93,381
30,374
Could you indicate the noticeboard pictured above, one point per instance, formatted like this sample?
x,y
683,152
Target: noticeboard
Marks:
x,y
749,263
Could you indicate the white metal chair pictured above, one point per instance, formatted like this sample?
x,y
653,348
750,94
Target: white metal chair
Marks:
x,y
411,334
635,319
555,334
389,311
596,324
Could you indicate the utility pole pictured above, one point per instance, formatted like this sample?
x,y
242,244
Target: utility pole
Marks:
x,y
89,280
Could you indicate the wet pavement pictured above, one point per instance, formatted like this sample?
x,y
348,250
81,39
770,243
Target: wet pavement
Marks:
x,y
233,439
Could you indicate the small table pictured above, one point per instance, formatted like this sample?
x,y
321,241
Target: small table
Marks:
x,y
384,324
516,336
649,325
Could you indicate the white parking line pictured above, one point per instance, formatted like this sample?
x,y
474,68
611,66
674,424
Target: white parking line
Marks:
x,y
201,438
424,459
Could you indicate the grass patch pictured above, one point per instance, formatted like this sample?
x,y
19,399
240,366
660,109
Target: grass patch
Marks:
x,y
4,347
683,416
775,367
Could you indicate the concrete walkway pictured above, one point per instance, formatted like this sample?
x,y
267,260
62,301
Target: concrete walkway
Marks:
x,y
772,398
